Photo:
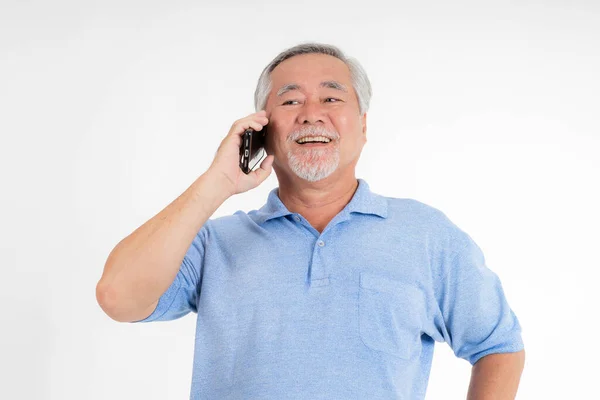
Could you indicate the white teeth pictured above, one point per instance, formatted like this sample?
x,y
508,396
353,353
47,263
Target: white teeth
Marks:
x,y
314,139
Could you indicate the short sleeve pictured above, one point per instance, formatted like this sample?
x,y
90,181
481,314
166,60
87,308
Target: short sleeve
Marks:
x,y
181,296
477,317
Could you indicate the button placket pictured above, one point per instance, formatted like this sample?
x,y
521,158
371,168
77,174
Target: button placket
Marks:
x,y
319,276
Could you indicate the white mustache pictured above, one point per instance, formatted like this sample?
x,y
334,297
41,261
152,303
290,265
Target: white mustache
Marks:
x,y
313,130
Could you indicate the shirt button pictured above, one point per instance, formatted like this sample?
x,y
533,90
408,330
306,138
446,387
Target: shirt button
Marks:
x,y
321,243
297,218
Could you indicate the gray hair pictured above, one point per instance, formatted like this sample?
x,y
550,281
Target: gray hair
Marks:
x,y
360,81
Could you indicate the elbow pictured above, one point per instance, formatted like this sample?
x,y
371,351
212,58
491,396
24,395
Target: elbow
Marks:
x,y
108,302
113,305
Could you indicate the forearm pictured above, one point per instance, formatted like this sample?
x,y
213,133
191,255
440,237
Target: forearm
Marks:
x,y
496,376
143,265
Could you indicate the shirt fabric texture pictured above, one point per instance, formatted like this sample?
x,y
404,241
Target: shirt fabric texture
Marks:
x,y
286,312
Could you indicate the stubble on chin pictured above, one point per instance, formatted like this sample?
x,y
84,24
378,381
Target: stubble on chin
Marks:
x,y
313,164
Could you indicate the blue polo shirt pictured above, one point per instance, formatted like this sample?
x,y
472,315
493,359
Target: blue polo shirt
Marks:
x,y
286,312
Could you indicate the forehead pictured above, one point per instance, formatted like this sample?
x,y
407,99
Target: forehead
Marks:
x,y
309,70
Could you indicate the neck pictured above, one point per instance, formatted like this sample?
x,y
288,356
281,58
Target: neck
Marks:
x,y
319,201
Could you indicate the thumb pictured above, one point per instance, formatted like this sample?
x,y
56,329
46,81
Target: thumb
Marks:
x,y
265,169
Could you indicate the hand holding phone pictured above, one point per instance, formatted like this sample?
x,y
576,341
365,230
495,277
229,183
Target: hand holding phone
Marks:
x,y
233,175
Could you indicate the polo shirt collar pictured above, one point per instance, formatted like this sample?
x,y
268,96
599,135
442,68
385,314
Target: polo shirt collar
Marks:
x,y
363,201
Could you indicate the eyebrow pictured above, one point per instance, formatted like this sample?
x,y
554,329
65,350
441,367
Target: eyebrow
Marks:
x,y
326,84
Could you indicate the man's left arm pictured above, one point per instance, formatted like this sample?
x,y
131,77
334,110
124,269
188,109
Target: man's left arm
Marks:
x,y
496,376
477,322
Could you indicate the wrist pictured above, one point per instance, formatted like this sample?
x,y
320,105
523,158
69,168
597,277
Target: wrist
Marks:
x,y
217,184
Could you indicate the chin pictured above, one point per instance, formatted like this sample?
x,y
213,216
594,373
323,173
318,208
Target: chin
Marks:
x,y
313,178
315,171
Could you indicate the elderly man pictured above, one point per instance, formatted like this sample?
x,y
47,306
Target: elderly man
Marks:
x,y
329,291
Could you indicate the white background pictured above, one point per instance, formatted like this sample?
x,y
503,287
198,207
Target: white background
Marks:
x,y
109,110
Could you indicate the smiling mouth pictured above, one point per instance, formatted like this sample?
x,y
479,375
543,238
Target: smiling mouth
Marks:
x,y
313,144
315,141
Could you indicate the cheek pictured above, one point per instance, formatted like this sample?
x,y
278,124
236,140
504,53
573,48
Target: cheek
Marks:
x,y
270,144
275,141
348,126
277,132
346,120
352,140
342,122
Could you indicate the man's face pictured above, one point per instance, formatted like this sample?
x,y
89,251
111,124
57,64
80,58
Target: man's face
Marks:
x,y
321,102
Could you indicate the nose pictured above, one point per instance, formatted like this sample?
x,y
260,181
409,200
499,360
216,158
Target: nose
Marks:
x,y
311,113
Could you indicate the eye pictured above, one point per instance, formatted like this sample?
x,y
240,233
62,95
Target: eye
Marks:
x,y
285,103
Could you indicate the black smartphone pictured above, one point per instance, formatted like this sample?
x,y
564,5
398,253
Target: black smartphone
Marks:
x,y
252,149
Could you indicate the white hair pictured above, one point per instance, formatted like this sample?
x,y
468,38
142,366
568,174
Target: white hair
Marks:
x,y
360,81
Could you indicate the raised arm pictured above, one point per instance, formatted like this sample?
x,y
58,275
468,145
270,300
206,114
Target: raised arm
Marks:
x,y
142,266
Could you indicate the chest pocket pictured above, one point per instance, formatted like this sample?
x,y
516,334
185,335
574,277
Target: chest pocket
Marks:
x,y
391,315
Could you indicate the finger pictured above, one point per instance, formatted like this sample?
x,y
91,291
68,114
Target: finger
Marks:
x,y
240,128
259,116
